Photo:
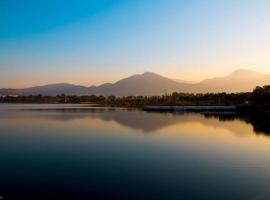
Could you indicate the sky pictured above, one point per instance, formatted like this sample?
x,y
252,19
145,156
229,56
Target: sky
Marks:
x,y
90,42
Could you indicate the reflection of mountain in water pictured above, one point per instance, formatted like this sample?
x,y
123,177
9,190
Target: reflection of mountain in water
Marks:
x,y
135,119
150,122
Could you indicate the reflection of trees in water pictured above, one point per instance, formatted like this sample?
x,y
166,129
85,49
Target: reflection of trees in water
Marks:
x,y
151,121
259,121
222,116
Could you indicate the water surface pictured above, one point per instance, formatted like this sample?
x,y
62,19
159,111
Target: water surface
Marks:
x,y
73,152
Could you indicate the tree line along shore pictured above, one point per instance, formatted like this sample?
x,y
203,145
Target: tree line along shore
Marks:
x,y
259,98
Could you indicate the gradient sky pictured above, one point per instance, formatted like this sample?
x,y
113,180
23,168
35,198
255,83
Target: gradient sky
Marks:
x,y
94,41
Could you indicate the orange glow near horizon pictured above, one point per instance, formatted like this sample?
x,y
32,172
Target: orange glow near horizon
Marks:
x,y
89,80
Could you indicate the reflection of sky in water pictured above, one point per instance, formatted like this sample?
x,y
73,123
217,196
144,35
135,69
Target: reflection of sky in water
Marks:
x,y
132,153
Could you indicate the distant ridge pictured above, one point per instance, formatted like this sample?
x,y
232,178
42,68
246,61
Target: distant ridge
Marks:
x,y
241,80
149,84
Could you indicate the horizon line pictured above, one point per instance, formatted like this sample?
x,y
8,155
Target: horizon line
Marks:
x,y
113,82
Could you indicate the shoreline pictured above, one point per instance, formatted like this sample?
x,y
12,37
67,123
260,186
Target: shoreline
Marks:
x,y
190,108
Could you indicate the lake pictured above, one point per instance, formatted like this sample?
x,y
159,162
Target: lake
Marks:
x,y
77,152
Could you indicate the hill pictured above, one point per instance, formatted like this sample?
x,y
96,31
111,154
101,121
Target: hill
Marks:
x,y
150,84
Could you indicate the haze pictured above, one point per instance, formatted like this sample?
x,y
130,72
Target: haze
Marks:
x,y
92,42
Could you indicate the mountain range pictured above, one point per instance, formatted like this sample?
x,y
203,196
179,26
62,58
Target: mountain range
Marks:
x,y
149,83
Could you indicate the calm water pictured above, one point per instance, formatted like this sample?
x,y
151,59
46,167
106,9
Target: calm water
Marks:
x,y
79,153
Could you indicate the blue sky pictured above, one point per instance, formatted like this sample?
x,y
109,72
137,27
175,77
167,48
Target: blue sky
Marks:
x,y
91,42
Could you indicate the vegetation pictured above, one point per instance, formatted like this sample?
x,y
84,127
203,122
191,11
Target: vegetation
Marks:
x,y
259,101
53,99
260,97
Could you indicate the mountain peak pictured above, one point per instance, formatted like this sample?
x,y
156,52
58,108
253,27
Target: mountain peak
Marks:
x,y
152,75
245,72
149,83
149,73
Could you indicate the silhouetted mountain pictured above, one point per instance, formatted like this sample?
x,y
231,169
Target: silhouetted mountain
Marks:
x,y
9,91
51,89
183,81
142,84
55,89
150,83
241,80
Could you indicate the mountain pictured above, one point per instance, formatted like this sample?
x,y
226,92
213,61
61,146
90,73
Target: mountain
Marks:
x,y
55,89
149,83
183,81
140,84
241,80
51,89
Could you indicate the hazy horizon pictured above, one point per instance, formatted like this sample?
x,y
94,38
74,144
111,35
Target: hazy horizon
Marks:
x,y
93,42
242,70
184,77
